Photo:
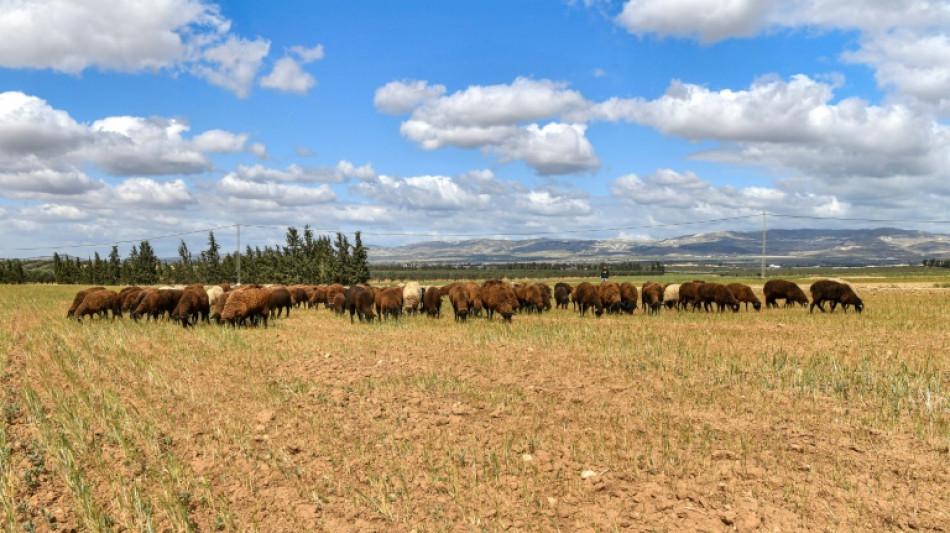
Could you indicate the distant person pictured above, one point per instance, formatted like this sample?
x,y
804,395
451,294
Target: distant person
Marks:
x,y
604,273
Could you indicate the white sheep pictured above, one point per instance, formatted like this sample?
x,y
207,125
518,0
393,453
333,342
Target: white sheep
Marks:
x,y
671,296
213,294
411,297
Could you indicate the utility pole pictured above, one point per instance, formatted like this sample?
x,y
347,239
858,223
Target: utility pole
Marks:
x,y
238,254
763,245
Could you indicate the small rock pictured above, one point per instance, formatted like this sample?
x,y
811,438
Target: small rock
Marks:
x,y
586,474
527,458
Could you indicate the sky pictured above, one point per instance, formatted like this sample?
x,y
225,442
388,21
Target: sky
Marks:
x,y
125,120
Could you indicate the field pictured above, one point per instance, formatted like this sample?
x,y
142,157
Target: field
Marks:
x,y
776,420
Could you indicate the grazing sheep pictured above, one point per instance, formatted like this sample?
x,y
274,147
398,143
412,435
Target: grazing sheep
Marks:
x,y
338,304
128,296
214,293
99,303
218,306
716,293
671,295
193,305
247,306
320,296
562,295
827,290
359,301
134,299
225,286
546,294
280,300
79,298
432,301
585,295
333,290
775,289
498,297
411,297
475,304
459,298
743,294
529,298
298,295
389,302
651,295
158,303
628,297
609,293
688,295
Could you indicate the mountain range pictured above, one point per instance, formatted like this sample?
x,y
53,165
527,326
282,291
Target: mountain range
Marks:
x,y
786,247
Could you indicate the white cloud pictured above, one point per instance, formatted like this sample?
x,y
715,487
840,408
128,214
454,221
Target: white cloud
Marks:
x,y
29,125
300,174
285,195
399,97
288,76
546,203
148,192
54,212
708,20
554,149
68,181
422,192
233,64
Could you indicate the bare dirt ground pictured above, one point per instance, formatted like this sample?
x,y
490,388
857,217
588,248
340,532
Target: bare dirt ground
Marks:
x,y
773,421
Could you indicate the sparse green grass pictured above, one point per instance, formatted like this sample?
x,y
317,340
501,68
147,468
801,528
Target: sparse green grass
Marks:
x,y
318,424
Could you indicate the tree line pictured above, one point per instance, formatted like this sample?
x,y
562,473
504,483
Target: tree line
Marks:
x,y
940,263
303,258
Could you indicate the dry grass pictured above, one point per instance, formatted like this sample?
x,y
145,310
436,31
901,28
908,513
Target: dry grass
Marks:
x,y
777,419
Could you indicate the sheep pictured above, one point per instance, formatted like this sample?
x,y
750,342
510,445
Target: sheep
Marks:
x,y
475,304
127,296
498,297
280,299
609,293
225,286
132,299
389,302
562,295
411,297
432,301
338,304
585,296
193,304
687,294
247,304
529,298
743,294
332,291
157,303
775,289
628,297
79,298
99,303
318,296
359,301
214,293
651,295
716,293
671,295
298,295
827,290
459,298
546,294
218,306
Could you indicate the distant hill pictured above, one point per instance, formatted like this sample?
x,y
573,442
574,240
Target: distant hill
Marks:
x,y
784,247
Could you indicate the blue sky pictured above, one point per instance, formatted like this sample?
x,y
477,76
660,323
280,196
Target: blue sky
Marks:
x,y
127,120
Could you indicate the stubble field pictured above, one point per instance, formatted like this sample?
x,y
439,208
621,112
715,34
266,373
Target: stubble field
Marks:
x,y
776,420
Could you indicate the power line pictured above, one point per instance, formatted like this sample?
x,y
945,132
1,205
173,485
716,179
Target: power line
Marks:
x,y
110,243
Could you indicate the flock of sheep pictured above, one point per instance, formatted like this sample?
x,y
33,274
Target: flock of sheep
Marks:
x,y
255,304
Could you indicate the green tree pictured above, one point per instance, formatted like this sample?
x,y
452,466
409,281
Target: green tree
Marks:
x,y
211,261
115,266
360,264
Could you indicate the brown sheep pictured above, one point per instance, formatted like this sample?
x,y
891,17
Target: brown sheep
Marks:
x,y
546,294
585,295
319,296
246,306
99,303
499,297
194,304
651,295
332,291
628,297
389,302
339,303
716,293
743,294
688,297
432,301
459,298
280,300
298,295
359,301
218,306
225,287
562,295
158,303
827,290
775,289
609,293
127,300
529,298
79,298
475,304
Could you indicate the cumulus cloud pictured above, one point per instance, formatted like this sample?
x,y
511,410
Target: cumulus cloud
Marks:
x,y
30,126
707,20
288,74
300,174
233,64
46,180
274,193
498,119
147,192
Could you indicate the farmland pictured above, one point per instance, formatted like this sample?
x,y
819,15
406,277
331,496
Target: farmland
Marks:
x,y
779,419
